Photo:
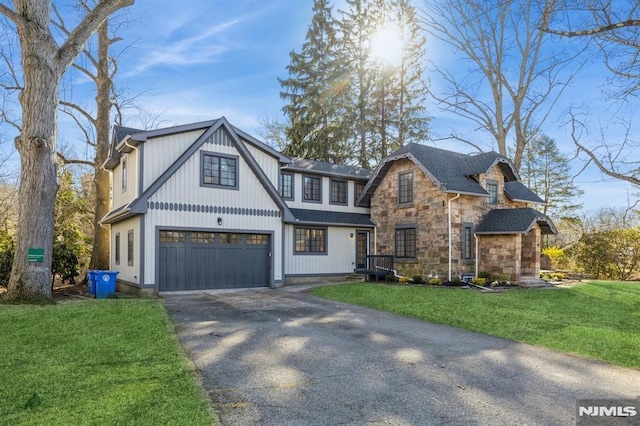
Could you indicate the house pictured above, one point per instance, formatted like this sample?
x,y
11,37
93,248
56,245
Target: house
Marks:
x,y
448,214
205,205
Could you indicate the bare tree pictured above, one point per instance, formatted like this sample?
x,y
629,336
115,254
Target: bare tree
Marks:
x,y
510,74
614,26
44,60
615,29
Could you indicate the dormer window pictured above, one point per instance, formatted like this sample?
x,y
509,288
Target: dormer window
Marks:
x,y
492,189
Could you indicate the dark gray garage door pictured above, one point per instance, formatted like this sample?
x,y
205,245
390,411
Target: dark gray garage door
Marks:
x,y
210,260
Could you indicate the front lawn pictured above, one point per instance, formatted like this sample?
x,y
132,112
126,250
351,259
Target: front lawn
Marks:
x,y
600,319
96,362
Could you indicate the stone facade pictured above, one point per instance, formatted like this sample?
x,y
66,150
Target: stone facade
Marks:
x,y
507,256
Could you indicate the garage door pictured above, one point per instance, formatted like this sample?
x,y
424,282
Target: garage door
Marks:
x,y
211,260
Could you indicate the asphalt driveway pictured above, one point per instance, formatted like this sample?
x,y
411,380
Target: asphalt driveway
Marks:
x,y
281,357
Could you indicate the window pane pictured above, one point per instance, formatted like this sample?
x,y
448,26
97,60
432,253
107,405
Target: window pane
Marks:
x,y
310,240
218,170
230,238
312,188
203,237
338,192
172,237
405,188
286,185
467,242
257,239
492,189
406,242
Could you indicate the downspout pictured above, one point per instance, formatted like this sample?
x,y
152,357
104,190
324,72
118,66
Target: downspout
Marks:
x,y
450,230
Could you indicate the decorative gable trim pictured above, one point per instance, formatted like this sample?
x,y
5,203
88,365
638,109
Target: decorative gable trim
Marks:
x,y
140,205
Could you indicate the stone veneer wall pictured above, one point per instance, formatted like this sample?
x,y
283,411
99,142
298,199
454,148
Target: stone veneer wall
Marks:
x,y
531,244
501,255
428,213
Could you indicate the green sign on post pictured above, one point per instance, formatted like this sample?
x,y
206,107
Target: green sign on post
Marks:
x,y
35,255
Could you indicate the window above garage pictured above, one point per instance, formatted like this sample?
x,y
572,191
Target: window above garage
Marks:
x,y
218,170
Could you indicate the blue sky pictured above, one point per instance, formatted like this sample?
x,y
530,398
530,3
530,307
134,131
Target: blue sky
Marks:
x,y
201,59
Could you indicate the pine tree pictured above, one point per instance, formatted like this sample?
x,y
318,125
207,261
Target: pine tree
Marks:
x,y
346,105
313,91
545,170
357,27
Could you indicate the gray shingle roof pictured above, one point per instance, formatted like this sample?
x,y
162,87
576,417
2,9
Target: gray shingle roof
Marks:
x,y
304,216
454,170
517,191
322,167
515,221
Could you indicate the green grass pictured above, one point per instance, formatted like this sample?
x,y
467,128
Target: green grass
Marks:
x,y
600,320
96,362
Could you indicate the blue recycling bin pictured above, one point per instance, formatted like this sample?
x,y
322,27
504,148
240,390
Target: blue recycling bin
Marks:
x,y
91,277
105,283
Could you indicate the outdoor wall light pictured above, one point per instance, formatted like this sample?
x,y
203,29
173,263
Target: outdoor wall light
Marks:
x,y
219,221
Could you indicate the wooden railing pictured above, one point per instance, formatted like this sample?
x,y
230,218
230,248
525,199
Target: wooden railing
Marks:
x,y
377,266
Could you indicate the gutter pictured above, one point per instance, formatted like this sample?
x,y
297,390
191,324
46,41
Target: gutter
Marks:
x,y
450,230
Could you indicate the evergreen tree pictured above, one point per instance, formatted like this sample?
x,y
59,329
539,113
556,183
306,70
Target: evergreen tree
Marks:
x,y
357,27
347,103
312,93
546,171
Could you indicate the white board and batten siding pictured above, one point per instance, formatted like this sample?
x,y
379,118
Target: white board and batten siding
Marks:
x,y
124,194
339,257
161,152
181,203
267,163
297,202
126,272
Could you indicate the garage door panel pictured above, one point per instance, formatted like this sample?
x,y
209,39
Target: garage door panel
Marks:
x,y
207,260
173,267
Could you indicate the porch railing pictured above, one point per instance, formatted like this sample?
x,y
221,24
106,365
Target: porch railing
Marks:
x,y
377,266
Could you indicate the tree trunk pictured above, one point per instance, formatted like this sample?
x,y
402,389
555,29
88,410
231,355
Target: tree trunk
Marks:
x,y
101,235
43,63
36,144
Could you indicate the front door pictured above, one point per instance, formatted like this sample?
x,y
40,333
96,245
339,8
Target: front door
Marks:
x,y
362,249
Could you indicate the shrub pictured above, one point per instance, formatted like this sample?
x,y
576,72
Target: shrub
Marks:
x,y
556,276
403,280
611,254
417,279
479,281
64,263
435,281
559,259
7,249
484,274
456,281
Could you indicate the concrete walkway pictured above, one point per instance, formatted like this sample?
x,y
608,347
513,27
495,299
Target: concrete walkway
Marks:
x,y
280,357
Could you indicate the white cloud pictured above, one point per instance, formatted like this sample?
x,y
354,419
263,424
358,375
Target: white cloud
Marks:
x,y
203,47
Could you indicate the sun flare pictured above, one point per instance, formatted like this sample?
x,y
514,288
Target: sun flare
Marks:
x,y
387,45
